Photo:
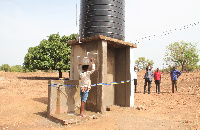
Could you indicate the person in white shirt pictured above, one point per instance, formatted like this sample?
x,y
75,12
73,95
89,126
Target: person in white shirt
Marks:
x,y
135,78
85,84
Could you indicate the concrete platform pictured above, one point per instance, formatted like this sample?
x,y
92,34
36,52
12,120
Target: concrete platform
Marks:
x,y
73,118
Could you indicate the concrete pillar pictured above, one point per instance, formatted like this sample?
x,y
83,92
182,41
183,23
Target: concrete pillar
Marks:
x,y
72,65
109,90
128,76
102,73
132,64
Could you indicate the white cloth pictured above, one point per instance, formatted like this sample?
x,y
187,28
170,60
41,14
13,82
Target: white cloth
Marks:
x,y
85,77
135,74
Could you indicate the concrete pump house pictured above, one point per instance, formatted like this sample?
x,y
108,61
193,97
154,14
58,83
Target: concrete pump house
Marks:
x,y
114,63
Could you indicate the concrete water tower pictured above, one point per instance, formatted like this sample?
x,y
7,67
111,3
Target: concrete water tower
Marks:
x,y
101,30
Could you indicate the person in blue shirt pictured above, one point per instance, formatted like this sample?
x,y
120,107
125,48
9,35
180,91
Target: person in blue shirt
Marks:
x,y
174,77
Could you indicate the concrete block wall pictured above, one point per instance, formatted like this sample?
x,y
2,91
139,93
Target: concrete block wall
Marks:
x,y
81,50
122,73
62,99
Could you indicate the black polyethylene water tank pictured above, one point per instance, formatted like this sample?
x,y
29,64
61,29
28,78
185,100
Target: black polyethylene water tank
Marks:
x,y
105,17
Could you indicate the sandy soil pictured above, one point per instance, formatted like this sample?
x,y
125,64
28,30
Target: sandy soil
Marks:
x,y
23,105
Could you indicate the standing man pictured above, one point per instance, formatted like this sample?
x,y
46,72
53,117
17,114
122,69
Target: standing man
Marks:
x,y
157,78
174,77
135,78
148,78
85,84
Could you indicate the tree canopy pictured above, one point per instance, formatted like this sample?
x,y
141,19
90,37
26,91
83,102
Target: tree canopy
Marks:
x,y
182,54
142,63
53,53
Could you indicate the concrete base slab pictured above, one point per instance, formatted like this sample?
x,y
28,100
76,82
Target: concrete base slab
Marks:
x,y
73,118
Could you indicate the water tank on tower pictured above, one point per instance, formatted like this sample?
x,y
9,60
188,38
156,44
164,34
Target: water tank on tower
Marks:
x,y
105,17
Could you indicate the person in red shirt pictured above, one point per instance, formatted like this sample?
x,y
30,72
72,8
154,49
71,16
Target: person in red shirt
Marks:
x,y
157,78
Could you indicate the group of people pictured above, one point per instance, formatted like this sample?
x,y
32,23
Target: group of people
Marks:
x,y
85,83
157,77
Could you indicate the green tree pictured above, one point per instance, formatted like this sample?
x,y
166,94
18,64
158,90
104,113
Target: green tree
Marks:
x,y
142,63
182,54
53,53
5,67
16,68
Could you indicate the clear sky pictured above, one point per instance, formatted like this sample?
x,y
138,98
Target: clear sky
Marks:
x,y
24,23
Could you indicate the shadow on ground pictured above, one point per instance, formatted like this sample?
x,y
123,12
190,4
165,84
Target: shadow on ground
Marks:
x,y
41,99
151,92
42,114
41,78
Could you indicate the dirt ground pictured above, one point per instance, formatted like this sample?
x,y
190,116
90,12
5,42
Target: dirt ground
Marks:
x,y
23,105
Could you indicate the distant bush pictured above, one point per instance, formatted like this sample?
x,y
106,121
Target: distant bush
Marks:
x,y
5,67
16,68
192,68
19,68
8,68
189,69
